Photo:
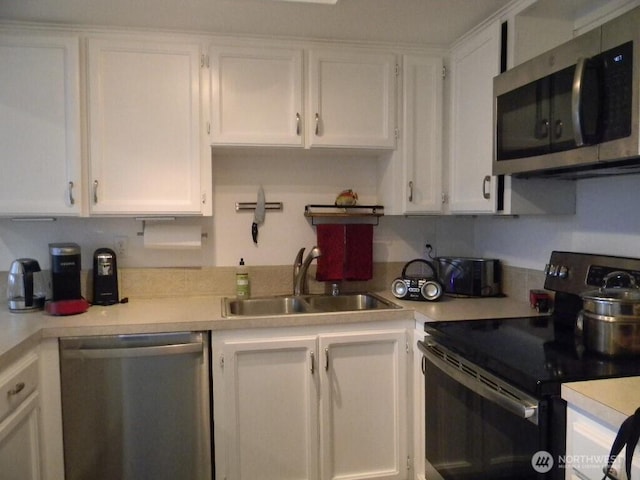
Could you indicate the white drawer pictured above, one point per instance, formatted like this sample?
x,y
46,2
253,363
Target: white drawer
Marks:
x,y
17,382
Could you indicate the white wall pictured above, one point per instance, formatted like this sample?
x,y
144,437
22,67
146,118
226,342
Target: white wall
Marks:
x,y
607,221
289,176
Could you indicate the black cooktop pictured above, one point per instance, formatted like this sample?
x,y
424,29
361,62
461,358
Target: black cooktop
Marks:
x,y
537,354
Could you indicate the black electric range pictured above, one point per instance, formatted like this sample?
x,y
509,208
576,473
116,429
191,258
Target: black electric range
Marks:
x,y
500,379
539,353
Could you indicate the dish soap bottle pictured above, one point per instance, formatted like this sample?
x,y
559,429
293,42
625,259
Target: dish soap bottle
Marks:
x,y
242,281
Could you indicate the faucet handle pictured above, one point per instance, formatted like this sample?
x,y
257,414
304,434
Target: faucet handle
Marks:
x,y
298,260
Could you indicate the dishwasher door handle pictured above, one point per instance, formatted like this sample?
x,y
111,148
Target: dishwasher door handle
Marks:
x,y
134,352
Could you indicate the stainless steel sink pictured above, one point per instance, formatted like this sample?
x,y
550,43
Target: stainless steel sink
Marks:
x,y
233,307
291,305
348,302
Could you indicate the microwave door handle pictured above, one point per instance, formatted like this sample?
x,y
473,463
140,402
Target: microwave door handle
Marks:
x,y
576,101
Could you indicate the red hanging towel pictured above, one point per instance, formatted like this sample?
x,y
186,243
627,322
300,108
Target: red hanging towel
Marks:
x,y
358,252
331,240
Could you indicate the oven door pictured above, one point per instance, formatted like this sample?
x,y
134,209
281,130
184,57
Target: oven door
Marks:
x,y
477,426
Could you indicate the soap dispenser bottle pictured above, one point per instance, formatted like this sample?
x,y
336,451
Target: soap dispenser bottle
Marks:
x,y
242,281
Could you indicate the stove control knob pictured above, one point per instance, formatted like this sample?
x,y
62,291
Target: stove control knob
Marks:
x,y
547,269
563,272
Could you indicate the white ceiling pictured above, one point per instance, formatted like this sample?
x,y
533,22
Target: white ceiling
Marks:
x,y
431,22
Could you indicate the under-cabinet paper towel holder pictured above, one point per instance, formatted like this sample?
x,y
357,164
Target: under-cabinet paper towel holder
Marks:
x,y
144,221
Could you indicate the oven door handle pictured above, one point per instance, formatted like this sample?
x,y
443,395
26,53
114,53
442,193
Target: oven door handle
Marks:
x,y
486,385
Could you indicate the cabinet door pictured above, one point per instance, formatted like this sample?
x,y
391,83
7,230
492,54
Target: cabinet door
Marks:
x,y
351,99
474,63
364,403
422,133
267,416
39,125
144,127
256,96
19,442
588,445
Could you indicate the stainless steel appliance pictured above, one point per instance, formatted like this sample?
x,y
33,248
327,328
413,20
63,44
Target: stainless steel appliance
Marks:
x,y
65,271
470,277
105,277
26,288
492,391
573,111
136,407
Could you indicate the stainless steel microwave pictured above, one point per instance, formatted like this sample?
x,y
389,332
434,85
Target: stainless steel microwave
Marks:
x,y
573,111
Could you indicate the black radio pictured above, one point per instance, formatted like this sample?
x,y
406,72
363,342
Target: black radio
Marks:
x,y
421,285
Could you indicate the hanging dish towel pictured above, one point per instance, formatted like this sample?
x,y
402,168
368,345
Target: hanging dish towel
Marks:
x,y
347,252
358,263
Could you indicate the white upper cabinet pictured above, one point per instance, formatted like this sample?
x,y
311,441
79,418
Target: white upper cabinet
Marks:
x,y
474,63
421,134
256,96
144,102
352,98
39,125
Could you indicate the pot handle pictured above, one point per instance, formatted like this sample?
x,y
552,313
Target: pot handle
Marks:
x,y
627,280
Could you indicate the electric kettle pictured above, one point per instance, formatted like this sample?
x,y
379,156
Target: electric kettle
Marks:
x,y
26,288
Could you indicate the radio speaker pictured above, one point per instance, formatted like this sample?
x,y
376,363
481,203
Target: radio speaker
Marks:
x,y
422,286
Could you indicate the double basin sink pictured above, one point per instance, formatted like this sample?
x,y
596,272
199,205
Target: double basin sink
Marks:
x,y
298,304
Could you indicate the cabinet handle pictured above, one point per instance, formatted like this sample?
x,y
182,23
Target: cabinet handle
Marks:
x,y
326,359
411,191
72,200
312,357
317,124
95,191
486,194
558,129
542,129
298,124
17,389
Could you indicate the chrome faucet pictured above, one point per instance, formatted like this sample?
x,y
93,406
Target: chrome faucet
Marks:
x,y
300,269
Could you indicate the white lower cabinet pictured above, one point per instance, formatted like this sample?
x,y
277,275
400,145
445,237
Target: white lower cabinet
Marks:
x,y
20,457
308,404
589,443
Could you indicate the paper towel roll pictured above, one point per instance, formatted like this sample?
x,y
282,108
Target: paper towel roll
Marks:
x,y
172,236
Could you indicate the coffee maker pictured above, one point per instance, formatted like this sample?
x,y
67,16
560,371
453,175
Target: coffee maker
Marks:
x,y
65,271
105,277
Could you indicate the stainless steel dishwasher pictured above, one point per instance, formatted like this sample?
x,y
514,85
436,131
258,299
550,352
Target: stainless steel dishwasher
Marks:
x,y
136,407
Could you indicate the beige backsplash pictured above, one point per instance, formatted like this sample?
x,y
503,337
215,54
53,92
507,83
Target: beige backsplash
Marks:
x,y
270,280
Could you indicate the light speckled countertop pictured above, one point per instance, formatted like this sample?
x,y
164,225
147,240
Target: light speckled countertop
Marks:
x,y
20,331
611,400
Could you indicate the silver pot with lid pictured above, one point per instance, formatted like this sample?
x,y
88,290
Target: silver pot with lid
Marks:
x,y
610,318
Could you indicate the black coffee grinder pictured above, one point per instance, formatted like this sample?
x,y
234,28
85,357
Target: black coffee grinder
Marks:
x,y
105,277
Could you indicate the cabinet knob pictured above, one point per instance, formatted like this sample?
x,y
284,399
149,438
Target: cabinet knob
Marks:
x,y
16,390
411,191
298,124
317,124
